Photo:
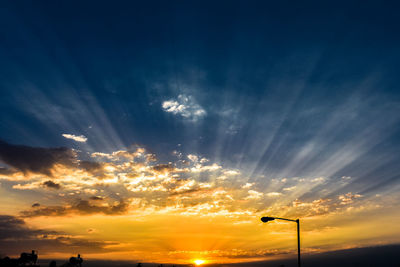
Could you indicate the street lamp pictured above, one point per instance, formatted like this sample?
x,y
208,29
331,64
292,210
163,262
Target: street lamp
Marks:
x,y
267,219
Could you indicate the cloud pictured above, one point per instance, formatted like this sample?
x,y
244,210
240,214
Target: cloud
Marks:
x,y
128,175
274,194
45,211
139,152
193,158
318,179
85,207
6,171
308,208
80,207
77,138
254,195
191,187
348,198
14,232
291,188
35,159
162,168
96,198
12,227
51,184
236,254
184,106
247,185
93,167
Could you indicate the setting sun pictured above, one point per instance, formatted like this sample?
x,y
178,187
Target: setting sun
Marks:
x,y
199,262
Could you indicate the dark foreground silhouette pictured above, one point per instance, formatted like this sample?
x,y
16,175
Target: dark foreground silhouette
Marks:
x,y
26,259
30,259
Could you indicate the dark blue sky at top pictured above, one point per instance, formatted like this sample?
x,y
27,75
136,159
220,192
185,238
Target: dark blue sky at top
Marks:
x,y
287,86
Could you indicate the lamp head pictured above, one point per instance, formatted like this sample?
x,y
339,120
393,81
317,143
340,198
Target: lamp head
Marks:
x,y
267,219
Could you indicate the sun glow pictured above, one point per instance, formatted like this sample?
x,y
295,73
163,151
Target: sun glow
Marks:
x,y
199,262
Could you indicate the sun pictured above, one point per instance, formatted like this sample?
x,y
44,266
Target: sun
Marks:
x,y
199,262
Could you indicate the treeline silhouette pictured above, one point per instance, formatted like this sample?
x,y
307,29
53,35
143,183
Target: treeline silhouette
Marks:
x,y
30,259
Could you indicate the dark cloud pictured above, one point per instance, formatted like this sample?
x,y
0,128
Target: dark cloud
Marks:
x,y
163,167
84,206
35,205
45,211
12,227
91,166
6,171
238,254
51,184
15,236
96,198
190,191
35,159
80,207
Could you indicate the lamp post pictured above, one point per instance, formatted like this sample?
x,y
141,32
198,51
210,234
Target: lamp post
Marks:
x,y
267,219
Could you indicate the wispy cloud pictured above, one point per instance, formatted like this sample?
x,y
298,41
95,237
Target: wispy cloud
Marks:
x,y
185,106
77,138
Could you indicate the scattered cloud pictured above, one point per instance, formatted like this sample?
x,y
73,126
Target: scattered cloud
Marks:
x,y
77,138
124,184
185,106
125,181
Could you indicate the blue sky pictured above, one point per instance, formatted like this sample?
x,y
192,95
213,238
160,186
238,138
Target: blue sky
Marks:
x,y
269,78
274,90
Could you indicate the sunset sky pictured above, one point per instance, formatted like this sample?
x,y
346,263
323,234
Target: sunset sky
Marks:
x,y
161,131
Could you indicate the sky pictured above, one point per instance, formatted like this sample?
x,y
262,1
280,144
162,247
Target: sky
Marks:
x,y
161,131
